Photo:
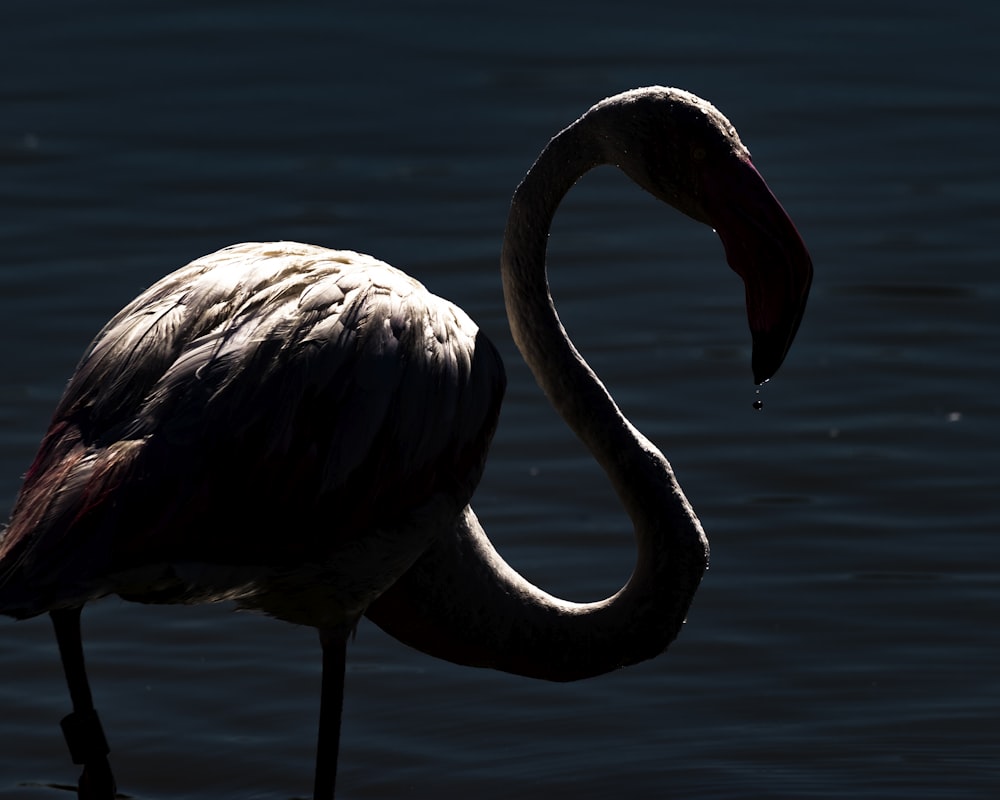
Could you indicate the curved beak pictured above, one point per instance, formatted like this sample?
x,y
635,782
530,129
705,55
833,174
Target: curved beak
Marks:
x,y
762,247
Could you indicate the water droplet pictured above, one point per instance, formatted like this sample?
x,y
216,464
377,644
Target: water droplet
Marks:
x,y
758,404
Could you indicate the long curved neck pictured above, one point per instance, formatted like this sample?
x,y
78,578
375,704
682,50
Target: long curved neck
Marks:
x,y
461,601
576,393
571,386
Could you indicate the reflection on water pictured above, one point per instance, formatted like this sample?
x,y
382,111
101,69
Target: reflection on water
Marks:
x,y
844,642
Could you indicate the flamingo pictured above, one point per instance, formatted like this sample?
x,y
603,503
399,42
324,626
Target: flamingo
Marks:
x,y
300,430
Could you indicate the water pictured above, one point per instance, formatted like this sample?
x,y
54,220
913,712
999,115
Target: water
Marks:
x,y
844,642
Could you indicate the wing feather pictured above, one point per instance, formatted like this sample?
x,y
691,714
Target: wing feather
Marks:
x,y
264,404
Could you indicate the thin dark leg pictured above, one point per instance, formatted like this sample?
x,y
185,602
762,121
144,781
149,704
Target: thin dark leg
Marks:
x,y
82,728
331,706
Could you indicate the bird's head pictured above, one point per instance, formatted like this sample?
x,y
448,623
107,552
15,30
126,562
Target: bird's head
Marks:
x,y
682,150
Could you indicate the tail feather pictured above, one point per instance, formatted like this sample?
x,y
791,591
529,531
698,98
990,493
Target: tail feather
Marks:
x,y
51,553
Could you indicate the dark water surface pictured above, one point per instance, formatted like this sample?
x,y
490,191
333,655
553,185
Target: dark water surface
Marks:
x,y
845,642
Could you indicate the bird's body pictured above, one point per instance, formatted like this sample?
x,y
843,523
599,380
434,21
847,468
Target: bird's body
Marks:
x,y
300,430
259,401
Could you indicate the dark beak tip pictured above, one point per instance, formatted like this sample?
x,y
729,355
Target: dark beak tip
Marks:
x,y
760,377
769,351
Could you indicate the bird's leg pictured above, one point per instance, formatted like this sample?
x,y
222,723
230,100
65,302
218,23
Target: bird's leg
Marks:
x,y
82,728
330,708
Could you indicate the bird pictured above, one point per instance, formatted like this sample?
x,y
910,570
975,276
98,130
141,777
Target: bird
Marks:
x,y
299,431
